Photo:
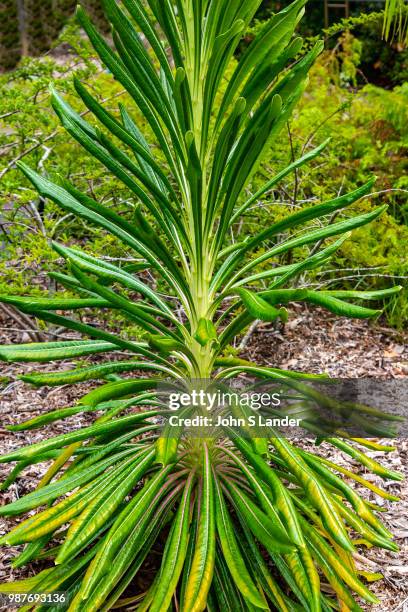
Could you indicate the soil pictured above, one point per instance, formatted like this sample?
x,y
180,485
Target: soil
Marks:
x,y
311,341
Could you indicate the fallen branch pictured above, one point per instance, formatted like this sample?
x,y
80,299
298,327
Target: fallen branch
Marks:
x,y
23,321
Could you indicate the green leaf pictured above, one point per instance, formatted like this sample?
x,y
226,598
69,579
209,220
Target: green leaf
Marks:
x,y
341,227
321,298
259,523
313,212
121,74
108,273
365,295
260,308
49,417
202,565
166,448
144,156
127,307
268,45
103,217
206,332
92,431
61,487
116,390
359,505
174,552
315,492
93,332
281,175
164,344
51,351
261,570
104,505
141,17
367,461
123,541
231,551
282,501
90,373
319,544
113,159
32,304
143,153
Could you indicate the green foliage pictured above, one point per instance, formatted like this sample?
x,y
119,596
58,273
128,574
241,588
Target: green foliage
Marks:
x,y
381,63
368,134
33,131
186,173
368,131
384,64
395,20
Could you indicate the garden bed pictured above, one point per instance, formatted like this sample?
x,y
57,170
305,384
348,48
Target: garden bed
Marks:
x,y
311,341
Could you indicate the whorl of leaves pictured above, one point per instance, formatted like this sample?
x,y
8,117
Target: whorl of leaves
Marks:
x,y
240,524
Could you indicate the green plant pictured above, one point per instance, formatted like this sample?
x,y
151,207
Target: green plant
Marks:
x,y
222,505
382,64
30,130
395,20
368,136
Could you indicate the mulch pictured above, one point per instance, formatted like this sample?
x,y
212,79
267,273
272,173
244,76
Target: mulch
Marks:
x,y
312,341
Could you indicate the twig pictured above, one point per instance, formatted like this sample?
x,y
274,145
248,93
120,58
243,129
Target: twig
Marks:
x,y
45,333
123,259
9,145
320,242
38,219
47,151
332,218
35,146
400,605
375,193
21,318
9,114
6,236
58,223
354,276
322,123
337,270
248,335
